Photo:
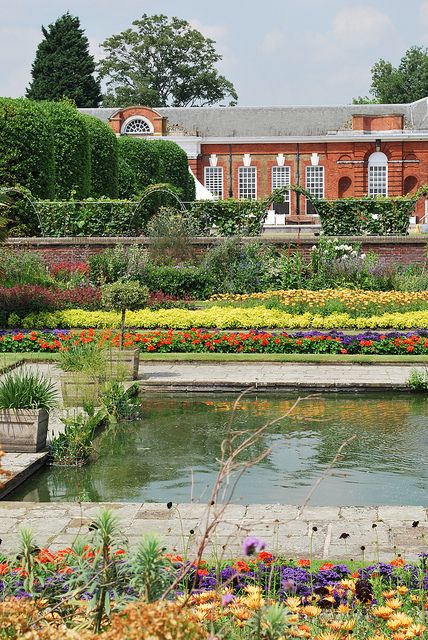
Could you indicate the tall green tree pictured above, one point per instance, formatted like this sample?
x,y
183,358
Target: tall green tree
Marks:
x,y
406,83
163,62
63,67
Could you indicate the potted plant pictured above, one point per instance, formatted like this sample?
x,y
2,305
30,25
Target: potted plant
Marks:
x,y
121,296
26,397
84,369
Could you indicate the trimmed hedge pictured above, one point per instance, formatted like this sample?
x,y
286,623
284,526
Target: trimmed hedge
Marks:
x,y
104,158
92,217
142,163
71,149
26,147
174,168
367,215
231,217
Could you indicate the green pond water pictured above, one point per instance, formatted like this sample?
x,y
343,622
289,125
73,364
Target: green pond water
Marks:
x,y
171,453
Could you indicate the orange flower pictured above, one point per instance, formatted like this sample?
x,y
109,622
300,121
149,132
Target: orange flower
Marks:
x,y
240,566
397,562
326,566
303,562
4,568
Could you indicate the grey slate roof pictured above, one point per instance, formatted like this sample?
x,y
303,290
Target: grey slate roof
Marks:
x,y
277,121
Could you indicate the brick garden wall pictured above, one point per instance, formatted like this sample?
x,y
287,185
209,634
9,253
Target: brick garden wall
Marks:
x,y
404,250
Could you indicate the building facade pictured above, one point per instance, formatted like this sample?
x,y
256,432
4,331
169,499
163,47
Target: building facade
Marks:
x,y
332,151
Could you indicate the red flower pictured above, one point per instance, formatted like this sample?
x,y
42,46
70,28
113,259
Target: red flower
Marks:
x,y
265,556
4,568
202,572
397,562
303,562
326,566
240,566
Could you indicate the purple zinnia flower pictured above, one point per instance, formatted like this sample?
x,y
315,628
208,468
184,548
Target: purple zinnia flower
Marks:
x,y
253,545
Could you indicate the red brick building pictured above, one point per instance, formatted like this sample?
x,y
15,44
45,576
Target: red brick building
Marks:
x,y
333,151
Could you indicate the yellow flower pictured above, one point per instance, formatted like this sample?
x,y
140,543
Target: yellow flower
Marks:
x,y
293,603
415,631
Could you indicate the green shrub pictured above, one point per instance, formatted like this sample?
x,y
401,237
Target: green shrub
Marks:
x,y
104,158
88,359
24,389
170,232
26,147
179,281
174,167
235,267
418,380
71,150
124,295
142,161
22,267
115,264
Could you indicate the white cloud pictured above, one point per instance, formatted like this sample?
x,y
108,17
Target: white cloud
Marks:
x,y
272,42
360,26
423,14
214,31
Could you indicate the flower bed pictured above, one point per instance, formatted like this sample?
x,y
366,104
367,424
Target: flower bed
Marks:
x,y
56,590
222,318
202,341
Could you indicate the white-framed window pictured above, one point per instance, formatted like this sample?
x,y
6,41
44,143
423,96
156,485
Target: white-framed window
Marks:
x,y
247,183
137,126
281,178
378,174
213,180
315,186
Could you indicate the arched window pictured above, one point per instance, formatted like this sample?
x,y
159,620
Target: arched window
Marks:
x,y
378,174
137,126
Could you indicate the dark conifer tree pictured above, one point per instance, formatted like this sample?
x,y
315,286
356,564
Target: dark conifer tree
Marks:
x,y
63,66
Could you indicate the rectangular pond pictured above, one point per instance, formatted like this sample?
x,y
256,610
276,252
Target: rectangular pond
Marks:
x,y
171,454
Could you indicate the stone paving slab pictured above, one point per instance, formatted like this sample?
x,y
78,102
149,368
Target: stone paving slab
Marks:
x,y
21,466
318,530
203,376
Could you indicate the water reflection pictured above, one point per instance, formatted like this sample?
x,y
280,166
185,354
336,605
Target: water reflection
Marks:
x,y
171,454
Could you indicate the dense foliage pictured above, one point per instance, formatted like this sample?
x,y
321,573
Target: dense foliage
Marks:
x,y
63,67
406,83
231,217
92,217
367,215
139,157
104,159
160,62
71,150
26,147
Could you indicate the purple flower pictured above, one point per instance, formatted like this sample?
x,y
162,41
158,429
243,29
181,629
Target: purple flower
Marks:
x,y
227,599
253,545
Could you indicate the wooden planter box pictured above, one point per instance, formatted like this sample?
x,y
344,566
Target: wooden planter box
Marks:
x,y
78,388
123,364
23,430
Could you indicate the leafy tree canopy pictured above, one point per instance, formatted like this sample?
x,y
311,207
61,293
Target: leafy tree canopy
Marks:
x,y
63,66
406,83
163,62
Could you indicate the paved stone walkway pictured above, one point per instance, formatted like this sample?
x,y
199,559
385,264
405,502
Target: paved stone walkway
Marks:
x,y
20,466
204,376
383,531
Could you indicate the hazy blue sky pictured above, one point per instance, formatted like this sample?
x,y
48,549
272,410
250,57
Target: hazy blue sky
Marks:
x,y
274,51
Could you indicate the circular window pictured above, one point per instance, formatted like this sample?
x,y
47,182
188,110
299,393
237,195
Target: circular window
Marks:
x,y
137,126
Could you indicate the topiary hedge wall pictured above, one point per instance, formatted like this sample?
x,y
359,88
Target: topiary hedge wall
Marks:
x,y
104,158
26,147
141,160
71,149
